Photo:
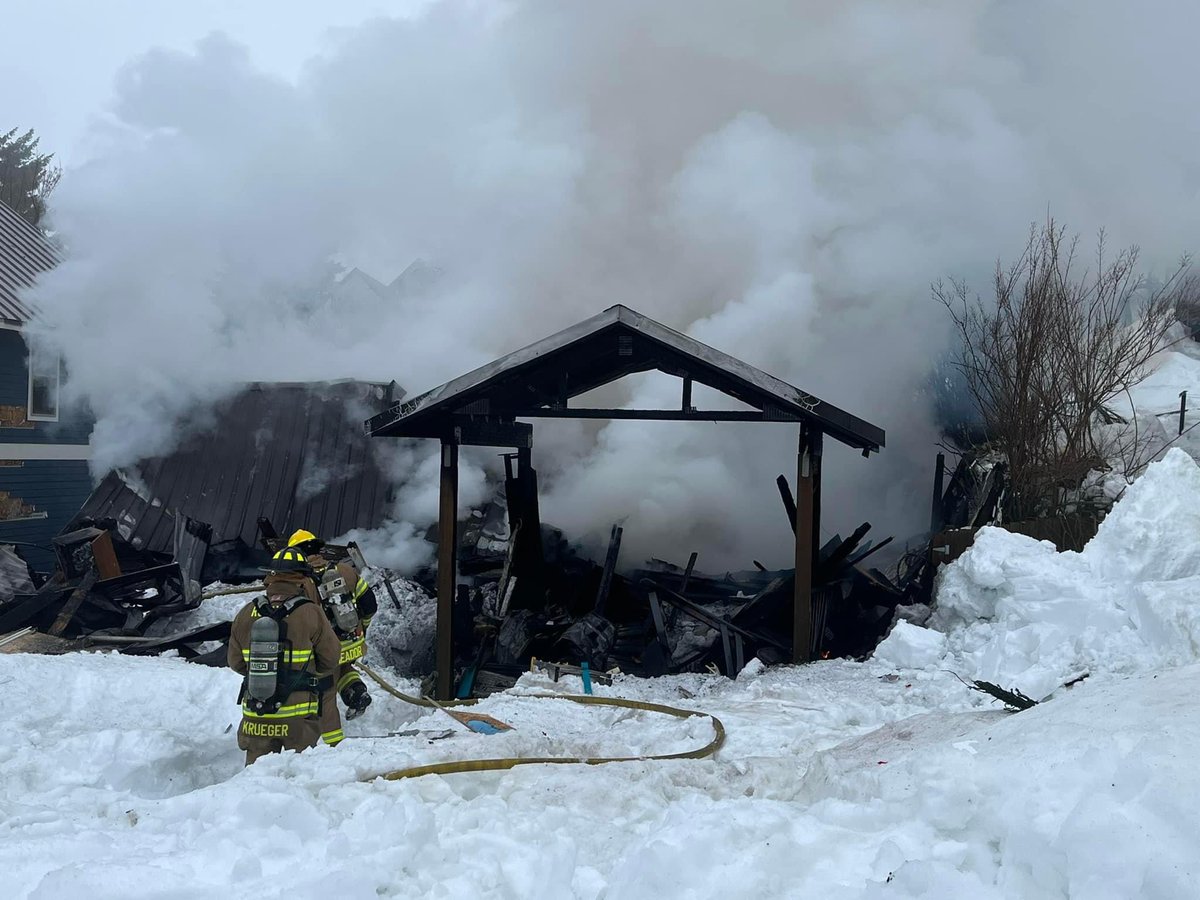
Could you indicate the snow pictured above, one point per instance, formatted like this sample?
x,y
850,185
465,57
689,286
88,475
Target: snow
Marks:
x,y
911,647
889,778
1016,612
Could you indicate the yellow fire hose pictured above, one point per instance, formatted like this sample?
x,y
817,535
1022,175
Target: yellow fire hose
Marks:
x,y
485,765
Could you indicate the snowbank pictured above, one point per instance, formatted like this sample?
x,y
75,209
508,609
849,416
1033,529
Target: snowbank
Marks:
x,y
1015,611
118,780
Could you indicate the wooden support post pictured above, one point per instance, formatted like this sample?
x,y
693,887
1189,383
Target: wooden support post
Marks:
x,y
1182,410
687,393
939,491
802,601
447,571
816,443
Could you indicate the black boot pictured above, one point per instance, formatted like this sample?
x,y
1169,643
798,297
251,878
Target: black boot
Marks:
x,y
356,698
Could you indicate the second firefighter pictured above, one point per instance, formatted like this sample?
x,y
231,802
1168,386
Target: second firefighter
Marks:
x,y
349,603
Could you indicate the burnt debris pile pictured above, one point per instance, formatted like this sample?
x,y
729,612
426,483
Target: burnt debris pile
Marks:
x,y
107,593
523,594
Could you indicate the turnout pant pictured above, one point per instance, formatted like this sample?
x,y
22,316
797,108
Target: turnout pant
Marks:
x,y
331,718
258,737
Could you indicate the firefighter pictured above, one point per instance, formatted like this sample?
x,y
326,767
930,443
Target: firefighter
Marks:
x,y
351,629
287,651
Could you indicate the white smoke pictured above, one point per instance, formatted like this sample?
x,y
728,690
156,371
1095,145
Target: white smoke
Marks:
x,y
782,180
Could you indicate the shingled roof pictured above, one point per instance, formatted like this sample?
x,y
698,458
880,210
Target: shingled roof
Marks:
x,y
539,379
25,253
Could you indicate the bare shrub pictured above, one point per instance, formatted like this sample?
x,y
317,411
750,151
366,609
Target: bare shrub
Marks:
x,y
1046,358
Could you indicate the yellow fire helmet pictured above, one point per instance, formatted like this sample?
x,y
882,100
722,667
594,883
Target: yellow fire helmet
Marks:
x,y
301,537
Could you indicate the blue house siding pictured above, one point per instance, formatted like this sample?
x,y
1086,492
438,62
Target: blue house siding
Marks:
x,y
57,488
71,428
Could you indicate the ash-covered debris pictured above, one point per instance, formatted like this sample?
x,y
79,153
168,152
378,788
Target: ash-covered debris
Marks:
x,y
105,592
523,597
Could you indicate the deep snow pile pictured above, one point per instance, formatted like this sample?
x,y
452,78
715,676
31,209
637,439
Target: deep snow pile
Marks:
x,y
1015,611
119,776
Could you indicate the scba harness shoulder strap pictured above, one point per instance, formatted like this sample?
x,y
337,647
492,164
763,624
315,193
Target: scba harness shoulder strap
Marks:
x,y
265,688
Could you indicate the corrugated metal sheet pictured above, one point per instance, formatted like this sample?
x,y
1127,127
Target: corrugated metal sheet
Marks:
x,y
294,453
24,254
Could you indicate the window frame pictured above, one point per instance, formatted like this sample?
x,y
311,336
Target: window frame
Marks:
x,y
30,415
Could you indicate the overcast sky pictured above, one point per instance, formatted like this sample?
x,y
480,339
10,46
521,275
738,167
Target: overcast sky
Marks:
x,y
60,56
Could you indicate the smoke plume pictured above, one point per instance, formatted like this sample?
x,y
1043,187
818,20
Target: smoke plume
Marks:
x,y
782,180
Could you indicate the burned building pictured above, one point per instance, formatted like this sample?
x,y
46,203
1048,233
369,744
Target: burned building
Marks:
x,y
273,456
485,408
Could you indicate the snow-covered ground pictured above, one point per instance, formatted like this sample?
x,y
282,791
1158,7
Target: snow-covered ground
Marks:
x,y
119,776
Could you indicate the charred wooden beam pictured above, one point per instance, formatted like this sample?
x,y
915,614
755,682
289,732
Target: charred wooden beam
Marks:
x,y
936,516
687,573
74,602
831,563
856,560
610,568
708,617
789,502
525,529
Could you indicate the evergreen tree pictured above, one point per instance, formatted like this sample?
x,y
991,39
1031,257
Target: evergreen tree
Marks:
x,y
26,176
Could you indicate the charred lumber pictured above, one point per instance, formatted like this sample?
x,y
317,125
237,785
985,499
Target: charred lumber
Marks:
x,y
687,573
24,608
833,561
713,620
525,526
1013,700
610,567
868,552
74,601
182,641
789,502
590,639
936,516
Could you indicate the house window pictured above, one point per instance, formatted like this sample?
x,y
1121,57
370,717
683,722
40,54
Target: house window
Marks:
x,y
43,386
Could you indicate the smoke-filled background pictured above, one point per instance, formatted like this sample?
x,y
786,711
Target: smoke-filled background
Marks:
x,y
782,180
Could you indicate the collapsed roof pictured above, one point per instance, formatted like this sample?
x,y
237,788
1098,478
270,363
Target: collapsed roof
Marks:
x,y
290,452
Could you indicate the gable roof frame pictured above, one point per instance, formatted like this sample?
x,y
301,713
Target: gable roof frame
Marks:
x,y
539,380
